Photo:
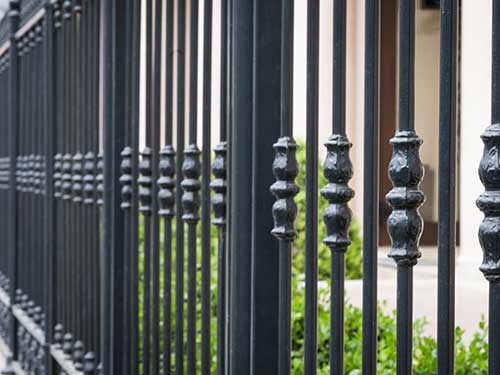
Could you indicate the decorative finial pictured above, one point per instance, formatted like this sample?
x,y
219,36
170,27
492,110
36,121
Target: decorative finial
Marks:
x,y
219,184
126,177
338,171
285,171
405,223
166,182
489,203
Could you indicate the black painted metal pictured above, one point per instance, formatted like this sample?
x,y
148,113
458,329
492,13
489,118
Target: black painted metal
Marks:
x,y
488,201
406,172
447,190
90,221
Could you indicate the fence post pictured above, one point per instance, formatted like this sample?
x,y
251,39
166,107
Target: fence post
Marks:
x,y
255,97
113,223
13,105
49,88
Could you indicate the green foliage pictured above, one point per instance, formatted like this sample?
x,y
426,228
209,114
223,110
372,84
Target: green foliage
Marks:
x,y
470,359
353,256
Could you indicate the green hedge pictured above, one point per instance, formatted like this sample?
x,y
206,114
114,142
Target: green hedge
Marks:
x,y
470,359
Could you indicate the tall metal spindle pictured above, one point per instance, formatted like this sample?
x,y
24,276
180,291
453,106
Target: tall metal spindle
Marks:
x,y
166,192
13,121
489,201
311,255
179,228
145,194
49,91
447,191
284,189
406,172
205,191
134,239
219,187
127,190
338,171
191,169
155,142
371,186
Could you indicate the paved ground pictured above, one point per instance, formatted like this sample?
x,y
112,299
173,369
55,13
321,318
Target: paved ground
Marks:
x,y
471,290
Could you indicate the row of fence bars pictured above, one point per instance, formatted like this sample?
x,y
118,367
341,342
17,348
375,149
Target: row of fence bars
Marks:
x,y
60,288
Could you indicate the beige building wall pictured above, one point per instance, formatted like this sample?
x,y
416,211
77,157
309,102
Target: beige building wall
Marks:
x,y
475,116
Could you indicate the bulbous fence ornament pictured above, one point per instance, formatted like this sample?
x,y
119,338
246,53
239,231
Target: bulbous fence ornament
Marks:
x,y
405,224
78,354
219,184
77,177
66,176
126,178
58,336
166,182
191,169
145,181
285,169
56,6
338,171
67,345
88,178
99,179
89,365
489,203
57,176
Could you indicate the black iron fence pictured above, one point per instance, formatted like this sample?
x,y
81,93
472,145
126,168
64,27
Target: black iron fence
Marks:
x,y
109,198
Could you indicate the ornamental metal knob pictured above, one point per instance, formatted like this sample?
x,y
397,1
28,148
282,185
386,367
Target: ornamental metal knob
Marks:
x,y
126,177
89,365
191,185
489,203
405,223
338,171
78,353
99,180
145,181
58,176
219,184
88,178
166,182
66,177
285,170
77,177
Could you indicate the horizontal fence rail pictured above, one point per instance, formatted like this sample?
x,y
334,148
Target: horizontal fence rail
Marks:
x,y
153,198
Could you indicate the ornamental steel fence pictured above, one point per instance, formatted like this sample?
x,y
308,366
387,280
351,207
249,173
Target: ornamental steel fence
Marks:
x,y
110,191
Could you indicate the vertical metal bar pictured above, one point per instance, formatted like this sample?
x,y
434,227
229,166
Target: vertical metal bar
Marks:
x,y
145,195
371,185
113,114
179,235
205,193
284,189
49,94
13,120
191,186
134,115
311,250
241,204
405,171
166,193
489,201
155,142
447,191
338,171
266,129
219,186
